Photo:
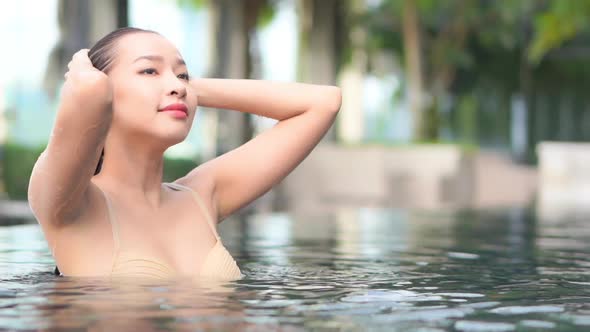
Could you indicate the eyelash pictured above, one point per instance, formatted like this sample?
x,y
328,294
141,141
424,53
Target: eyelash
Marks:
x,y
185,76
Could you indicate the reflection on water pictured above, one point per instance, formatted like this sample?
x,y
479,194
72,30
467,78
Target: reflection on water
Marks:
x,y
389,270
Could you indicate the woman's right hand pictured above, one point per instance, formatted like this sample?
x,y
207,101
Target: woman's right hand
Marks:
x,y
84,77
58,187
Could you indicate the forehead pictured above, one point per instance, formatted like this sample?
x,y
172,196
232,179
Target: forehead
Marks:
x,y
135,45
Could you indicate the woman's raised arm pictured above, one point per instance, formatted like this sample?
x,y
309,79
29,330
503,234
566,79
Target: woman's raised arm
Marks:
x,y
305,113
61,175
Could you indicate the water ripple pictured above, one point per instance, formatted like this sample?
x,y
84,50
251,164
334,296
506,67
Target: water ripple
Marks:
x,y
375,270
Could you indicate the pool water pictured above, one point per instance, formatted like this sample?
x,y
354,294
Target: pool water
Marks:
x,y
375,270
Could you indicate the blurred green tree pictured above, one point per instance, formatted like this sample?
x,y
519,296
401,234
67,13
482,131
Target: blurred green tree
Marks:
x,y
456,47
434,37
557,23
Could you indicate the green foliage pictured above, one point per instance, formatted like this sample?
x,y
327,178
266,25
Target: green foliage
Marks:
x,y
473,46
266,14
17,164
560,22
467,111
504,23
195,4
177,168
429,129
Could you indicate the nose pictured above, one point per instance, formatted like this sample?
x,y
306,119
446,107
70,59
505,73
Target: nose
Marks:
x,y
176,86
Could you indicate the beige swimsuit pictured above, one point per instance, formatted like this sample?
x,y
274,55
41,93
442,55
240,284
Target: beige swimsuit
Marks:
x,y
218,264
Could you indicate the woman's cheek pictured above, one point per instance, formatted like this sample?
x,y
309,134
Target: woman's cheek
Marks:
x,y
147,96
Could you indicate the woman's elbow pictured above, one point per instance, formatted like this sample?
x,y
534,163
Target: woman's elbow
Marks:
x,y
331,98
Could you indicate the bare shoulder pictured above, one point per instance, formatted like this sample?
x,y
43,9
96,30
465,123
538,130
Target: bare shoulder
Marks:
x,y
202,181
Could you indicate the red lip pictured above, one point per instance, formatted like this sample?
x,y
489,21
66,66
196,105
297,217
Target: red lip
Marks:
x,y
175,107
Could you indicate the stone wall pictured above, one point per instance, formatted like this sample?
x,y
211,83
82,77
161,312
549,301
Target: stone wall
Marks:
x,y
426,177
564,179
423,177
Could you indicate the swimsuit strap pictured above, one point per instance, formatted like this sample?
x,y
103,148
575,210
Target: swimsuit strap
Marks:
x,y
114,225
199,202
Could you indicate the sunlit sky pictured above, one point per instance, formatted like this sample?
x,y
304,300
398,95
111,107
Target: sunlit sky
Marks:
x,y
27,36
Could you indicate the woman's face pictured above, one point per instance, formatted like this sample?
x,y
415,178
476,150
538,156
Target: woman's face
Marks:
x,y
148,75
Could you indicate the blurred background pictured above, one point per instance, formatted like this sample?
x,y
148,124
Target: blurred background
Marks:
x,y
447,104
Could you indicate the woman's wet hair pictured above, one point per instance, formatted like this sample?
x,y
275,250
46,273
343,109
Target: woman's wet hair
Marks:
x,y
102,54
102,57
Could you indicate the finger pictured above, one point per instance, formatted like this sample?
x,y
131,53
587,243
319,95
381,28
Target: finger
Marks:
x,y
78,64
78,56
83,51
82,56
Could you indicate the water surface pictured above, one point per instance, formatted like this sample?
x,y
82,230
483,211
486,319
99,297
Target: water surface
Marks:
x,y
379,270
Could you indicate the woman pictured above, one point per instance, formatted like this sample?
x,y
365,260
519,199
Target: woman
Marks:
x,y
124,102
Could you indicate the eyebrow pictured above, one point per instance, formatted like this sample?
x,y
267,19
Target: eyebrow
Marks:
x,y
158,59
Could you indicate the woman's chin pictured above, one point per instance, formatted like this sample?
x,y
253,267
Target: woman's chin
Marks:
x,y
173,139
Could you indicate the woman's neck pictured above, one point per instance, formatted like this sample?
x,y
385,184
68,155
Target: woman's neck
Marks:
x,y
135,175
